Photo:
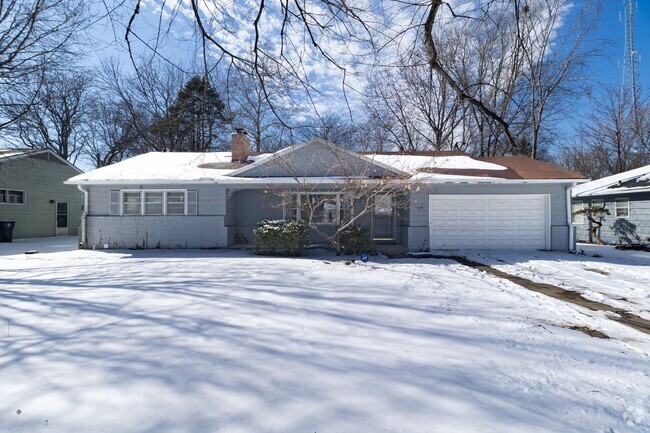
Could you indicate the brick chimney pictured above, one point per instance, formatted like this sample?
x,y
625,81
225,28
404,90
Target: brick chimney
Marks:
x,y
241,146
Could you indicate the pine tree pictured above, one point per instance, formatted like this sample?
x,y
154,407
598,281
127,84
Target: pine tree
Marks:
x,y
192,122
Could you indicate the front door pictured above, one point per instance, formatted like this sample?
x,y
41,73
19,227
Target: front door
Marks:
x,y
62,218
384,218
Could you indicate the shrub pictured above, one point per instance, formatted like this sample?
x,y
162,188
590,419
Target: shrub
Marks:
x,y
280,237
356,240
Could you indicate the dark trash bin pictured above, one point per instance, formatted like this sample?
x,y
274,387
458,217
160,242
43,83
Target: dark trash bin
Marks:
x,y
7,231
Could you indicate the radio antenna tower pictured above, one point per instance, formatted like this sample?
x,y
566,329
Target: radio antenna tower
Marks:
x,y
630,54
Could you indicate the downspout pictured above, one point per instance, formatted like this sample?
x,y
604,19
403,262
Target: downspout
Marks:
x,y
572,247
82,244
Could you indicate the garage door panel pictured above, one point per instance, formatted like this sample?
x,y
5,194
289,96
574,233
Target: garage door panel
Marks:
x,y
441,212
445,202
532,213
477,243
501,243
528,202
466,221
468,202
501,203
504,212
474,232
474,212
488,222
446,224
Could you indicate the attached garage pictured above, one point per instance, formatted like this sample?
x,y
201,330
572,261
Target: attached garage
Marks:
x,y
489,221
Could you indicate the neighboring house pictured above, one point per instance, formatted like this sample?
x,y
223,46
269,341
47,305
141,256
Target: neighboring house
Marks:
x,y
32,193
627,197
216,199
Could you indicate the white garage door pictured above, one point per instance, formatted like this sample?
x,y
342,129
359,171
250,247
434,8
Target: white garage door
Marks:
x,y
488,221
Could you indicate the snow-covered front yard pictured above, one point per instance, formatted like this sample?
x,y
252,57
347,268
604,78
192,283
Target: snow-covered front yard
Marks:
x,y
198,341
600,273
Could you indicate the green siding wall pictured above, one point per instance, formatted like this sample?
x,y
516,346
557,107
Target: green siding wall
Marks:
x,y
42,178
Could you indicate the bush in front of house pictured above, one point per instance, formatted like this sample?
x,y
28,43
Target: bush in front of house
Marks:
x,y
281,238
356,240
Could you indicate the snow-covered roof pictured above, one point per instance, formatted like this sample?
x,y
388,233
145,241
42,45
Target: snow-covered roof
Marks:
x,y
632,181
163,167
216,167
413,163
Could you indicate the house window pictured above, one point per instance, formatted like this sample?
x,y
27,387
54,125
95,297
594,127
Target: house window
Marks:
x,y
175,203
622,208
12,196
153,202
325,208
131,203
598,203
575,207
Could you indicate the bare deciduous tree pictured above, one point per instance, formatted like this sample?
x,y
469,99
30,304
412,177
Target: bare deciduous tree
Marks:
x,y
348,190
35,36
113,136
612,138
59,117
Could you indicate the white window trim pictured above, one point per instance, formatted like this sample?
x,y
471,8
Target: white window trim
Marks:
x,y
5,192
627,205
299,195
142,203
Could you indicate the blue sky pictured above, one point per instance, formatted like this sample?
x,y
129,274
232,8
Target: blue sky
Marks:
x,y
605,69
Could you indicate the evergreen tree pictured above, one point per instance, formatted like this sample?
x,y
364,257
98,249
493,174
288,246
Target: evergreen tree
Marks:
x,y
193,121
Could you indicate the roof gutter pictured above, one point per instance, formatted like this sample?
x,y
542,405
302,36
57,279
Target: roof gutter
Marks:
x,y
83,240
266,181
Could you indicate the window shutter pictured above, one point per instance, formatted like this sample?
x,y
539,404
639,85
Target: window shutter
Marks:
x,y
115,202
192,202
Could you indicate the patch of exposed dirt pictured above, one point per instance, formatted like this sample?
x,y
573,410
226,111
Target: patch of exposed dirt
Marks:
x,y
590,332
598,271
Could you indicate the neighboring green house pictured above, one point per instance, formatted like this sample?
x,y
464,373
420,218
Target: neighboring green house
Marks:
x,y
32,193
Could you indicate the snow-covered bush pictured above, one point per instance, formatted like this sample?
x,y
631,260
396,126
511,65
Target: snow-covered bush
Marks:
x,y
356,240
280,237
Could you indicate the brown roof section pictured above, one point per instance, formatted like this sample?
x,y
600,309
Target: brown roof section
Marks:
x,y
517,167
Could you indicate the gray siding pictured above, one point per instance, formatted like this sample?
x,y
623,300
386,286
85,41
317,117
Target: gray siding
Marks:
x,y
205,230
635,228
42,177
246,208
156,232
316,160
418,230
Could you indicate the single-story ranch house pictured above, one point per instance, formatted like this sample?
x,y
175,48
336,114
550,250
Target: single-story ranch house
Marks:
x,y
216,199
32,193
627,197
